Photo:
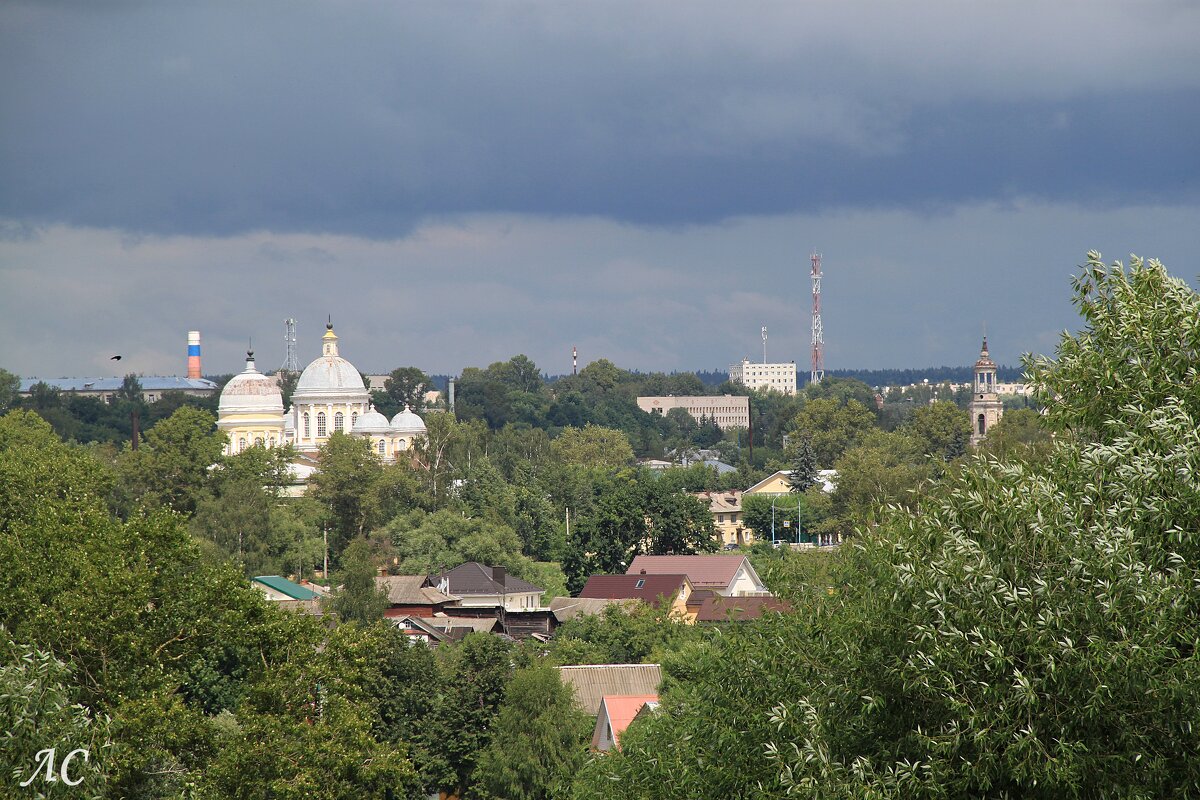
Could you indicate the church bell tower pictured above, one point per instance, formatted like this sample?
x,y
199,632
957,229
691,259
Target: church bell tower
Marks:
x,y
985,408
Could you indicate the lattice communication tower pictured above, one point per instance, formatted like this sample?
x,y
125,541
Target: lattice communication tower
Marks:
x,y
818,332
290,362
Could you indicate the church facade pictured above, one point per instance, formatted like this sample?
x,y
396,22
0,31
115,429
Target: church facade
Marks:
x,y
330,397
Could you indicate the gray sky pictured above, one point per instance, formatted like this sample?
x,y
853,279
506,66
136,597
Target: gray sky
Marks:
x,y
458,183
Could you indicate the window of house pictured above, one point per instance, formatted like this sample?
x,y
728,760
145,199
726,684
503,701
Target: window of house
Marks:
x,y
306,430
321,424
338,419
640,584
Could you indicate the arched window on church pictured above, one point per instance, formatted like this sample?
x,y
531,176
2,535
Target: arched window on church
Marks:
x,y
320,424
382,449
241,444
353,420
272,441
981,423
258,441
306,428
400,445
338,419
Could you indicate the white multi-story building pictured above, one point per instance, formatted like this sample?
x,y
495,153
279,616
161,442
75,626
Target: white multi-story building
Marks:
x,y
727,411
752,375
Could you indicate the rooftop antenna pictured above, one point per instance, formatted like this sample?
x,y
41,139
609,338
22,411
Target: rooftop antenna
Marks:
x,y
290,362
818,332
764,335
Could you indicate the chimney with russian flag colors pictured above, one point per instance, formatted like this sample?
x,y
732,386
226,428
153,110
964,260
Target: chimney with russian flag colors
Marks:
x,y
193,354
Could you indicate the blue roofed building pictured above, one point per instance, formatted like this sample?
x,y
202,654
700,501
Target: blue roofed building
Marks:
x,y
153,386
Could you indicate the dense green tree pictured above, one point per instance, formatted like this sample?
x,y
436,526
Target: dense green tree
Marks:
x,y
883,469
474,676
287,385
785,518
429,543
238,521
359,491
593,446
629,633
1019,434
943,429
629,513
10,388
843,390
38,712
802,459
832,426
1132,349
171,468
159,639
358,600
404,386
131,389
539,740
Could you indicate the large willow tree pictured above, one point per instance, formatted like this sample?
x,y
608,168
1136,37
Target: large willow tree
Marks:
x,y
1029,631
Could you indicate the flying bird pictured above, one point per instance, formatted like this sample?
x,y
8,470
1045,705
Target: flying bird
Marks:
x,y
115,358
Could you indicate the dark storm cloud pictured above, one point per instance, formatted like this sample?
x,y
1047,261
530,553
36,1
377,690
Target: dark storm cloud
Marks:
x,y
365,119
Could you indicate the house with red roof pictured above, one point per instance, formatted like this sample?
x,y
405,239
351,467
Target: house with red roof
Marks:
x,y
726,575
655,590
616,714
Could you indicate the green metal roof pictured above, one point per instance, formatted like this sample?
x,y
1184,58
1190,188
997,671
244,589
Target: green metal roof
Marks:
x,y
292,590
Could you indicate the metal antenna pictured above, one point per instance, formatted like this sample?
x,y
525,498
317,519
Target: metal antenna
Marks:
x,y
764,335
290,362
818,332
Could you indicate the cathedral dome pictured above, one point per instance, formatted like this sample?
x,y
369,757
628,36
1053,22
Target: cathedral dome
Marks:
x,y
250,392
330,374
407,422
371,423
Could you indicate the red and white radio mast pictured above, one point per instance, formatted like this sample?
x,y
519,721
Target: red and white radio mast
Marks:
x,y
818,333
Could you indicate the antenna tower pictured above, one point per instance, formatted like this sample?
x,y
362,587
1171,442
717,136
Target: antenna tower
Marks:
x,y
764,335
290,364
818,332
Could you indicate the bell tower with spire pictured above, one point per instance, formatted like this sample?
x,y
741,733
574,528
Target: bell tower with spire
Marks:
x,y
985,407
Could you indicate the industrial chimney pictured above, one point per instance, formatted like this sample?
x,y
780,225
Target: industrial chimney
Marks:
x,y
193,354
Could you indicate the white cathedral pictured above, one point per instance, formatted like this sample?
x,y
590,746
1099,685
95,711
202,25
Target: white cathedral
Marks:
x,y
330,396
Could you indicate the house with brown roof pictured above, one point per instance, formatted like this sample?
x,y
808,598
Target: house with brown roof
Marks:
x,y
727,575
719,609
568,608
615,715
654,590
479,586
414,595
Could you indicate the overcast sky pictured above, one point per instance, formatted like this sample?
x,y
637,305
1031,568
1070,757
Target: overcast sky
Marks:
x,y
456,183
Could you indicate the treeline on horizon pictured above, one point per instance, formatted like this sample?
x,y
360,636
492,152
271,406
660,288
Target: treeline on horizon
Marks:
x,y
895,376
